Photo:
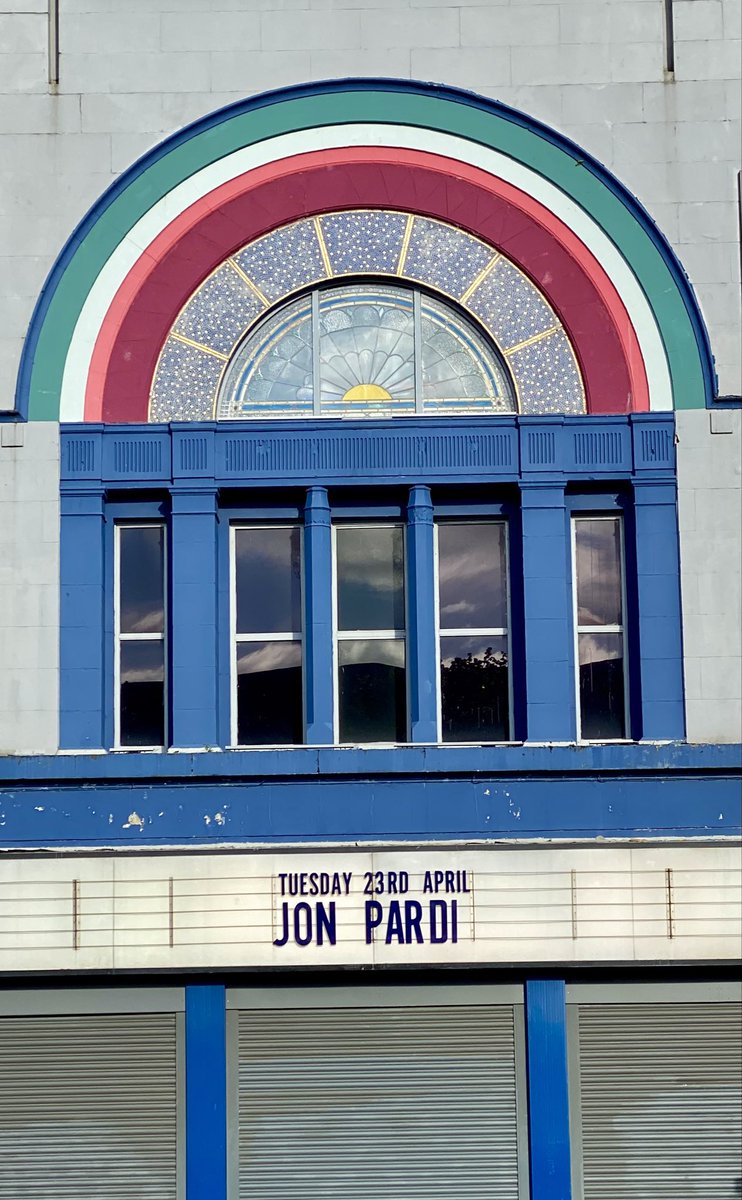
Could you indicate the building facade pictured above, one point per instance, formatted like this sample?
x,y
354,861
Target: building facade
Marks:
x,y
370,660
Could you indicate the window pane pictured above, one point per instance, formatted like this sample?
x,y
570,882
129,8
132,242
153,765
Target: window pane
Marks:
x,y
602,713
598,547
474,689
372,699
472,576
367,351
141,586
268,580
142,713
269,700
370,578
460,373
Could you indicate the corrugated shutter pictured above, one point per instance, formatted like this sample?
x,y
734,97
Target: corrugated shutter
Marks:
x,y
88,1107
661,1101
365,1103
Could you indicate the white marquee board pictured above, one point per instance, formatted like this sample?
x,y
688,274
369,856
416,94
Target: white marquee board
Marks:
x,y
392,907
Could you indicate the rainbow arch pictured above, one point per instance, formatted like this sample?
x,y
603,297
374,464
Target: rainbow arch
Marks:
x,y
167,222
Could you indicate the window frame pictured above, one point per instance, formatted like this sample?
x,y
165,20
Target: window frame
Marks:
x,y
618,516
235,639
119,637
442,518
368,635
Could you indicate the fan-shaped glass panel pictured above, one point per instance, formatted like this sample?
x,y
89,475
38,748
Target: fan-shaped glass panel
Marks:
x,y
364,350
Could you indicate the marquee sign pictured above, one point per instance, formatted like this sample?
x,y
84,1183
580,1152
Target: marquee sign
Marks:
x,y
391,907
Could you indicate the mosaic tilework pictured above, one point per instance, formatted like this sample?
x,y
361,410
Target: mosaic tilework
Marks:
x,y
509,306
448,260
363,242
443,257
185,384
547,376
283,261
220,311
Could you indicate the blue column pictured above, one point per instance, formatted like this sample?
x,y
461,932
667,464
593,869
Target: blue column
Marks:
x,y
660,655
318,657
548,1090
421,641
547,601
193,617
82,624
206,1092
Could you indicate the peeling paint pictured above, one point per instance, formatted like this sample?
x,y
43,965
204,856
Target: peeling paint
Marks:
x,y
134,822
38,807
219,818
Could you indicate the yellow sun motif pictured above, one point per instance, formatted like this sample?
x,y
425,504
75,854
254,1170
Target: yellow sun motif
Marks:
x,y
366,391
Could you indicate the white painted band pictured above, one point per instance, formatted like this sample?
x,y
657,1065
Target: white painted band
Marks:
x,y
332,137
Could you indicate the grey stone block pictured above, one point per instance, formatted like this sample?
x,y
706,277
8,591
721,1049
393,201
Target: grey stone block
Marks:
x,y
218,31
465,67
697,20
248,71
518,25
310,30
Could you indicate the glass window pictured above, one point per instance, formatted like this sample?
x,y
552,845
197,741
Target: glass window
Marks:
x,y
598,559
268,708
371,647
473,631
365,350
140,635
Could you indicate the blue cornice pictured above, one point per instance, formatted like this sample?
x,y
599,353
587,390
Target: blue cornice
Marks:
x,y
421,450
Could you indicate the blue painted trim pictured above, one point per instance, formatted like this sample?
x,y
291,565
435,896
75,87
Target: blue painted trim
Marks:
x,y
549,622
84,596
660,658
724,402
319,667
548,1089
348,797
206,1092
440,92
615,759
193,623
421,638
354,454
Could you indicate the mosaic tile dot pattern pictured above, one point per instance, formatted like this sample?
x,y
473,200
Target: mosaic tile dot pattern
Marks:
x,y
443,257
283,261
505,303
364,242
547,376
185,384
220,311
510,307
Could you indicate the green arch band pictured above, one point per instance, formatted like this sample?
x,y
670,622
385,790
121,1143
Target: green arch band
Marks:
x,y
190,150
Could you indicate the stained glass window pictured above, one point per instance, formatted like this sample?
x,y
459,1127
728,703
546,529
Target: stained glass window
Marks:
x,y
365,350
478,337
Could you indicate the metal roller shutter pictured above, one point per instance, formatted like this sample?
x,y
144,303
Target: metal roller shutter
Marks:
x,y
366,1103
88,1107
661,1101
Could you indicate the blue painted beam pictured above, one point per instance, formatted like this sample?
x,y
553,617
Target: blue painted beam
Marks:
x,y
85,611
193,617
548,1089
421,639
206,1092
318,656
547,602
423,806
658,604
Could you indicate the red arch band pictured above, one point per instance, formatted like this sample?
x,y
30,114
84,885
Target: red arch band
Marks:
x,y
220,223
